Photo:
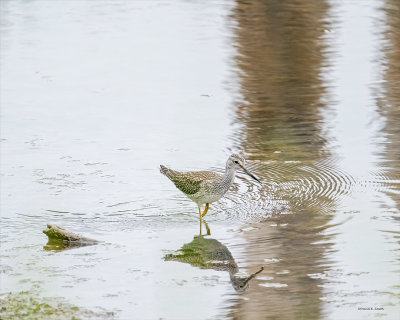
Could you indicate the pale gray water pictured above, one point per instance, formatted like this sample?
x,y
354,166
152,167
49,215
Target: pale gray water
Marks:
x,y
95,95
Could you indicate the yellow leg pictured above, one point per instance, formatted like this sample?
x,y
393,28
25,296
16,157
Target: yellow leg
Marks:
x,y
206,209
201,221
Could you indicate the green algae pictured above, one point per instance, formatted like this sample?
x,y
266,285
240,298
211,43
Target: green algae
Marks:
x,y
26,305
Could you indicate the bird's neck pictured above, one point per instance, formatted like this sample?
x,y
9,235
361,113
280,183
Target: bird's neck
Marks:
x,y
228,178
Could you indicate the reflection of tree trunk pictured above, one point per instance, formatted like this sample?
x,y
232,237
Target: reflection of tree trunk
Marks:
x,y
294,254
281,62
389,102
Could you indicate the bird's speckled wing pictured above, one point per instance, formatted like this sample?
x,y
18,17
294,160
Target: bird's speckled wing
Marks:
x,y
188,182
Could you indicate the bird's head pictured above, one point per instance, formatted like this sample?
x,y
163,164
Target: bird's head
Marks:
x,y
236,162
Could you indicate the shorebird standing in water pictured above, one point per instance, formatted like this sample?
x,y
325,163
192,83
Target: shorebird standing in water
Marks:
x,y
205,187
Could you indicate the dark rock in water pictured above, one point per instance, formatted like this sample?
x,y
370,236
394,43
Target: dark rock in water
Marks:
x,y
60,239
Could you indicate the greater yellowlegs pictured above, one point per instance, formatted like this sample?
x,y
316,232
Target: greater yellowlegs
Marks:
x,y
205,187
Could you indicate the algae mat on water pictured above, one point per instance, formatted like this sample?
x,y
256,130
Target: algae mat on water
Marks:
x,y
26,305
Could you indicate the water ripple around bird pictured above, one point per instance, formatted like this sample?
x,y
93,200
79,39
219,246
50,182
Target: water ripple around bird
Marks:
x,y
285,186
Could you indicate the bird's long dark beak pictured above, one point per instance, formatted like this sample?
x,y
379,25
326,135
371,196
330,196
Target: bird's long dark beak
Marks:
x,y
250,174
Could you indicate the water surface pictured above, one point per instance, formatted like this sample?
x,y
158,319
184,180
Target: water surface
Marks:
x,y
95,95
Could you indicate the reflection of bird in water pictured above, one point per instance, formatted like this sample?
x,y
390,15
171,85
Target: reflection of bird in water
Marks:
x,y
205,187
211,254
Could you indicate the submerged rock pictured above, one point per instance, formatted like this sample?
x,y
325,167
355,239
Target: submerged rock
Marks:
x,y
60,239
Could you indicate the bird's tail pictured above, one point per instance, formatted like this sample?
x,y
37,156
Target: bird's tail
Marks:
x,y
164,170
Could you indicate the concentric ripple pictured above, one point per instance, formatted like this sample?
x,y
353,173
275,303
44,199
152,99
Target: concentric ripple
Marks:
x,y
287,186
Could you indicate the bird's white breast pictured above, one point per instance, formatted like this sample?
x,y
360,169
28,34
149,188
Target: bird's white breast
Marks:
x,y
203,197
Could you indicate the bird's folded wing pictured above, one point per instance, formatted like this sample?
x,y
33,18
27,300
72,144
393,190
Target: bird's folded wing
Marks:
x,y
187,182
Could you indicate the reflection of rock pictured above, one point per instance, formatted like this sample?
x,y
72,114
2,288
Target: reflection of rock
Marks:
x,y
60,239
212,254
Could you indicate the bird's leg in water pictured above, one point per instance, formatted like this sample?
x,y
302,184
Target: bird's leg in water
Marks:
x,y
208,229
201,219
206,209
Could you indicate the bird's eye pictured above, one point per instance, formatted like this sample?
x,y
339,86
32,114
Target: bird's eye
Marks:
x,y
236,161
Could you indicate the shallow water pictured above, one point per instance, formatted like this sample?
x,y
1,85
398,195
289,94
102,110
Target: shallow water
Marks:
x,y
95,95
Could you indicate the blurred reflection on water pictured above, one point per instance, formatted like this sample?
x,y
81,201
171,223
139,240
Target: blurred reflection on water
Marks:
x,y
388,99
281,54
309,77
